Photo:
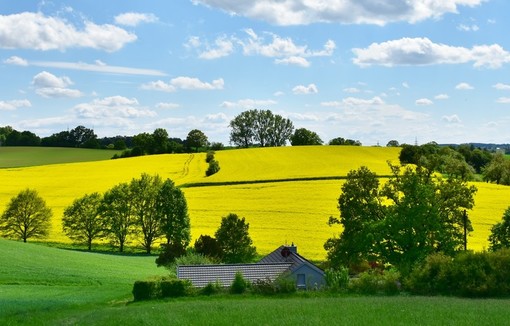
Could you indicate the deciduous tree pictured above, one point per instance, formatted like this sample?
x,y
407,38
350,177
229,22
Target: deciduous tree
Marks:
x,y
500,233
82,221
196,139
26,216
303,136
234,240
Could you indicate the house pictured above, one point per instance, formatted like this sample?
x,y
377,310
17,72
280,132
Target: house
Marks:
x,y
283,260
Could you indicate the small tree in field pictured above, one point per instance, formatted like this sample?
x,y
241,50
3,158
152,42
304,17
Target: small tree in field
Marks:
x,y
82,221
234,240
26,216
500,233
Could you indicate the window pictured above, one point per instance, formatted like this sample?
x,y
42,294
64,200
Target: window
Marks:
x,y
301,280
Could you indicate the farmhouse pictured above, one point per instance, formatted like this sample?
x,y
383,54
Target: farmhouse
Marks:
x,y
283,260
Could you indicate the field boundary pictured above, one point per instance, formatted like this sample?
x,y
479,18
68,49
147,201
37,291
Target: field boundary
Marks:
x,y
245,182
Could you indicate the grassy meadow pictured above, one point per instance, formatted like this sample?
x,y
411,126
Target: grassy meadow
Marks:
x,y
40,285
286,194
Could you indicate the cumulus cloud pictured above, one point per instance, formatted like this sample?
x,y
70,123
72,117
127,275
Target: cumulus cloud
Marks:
x,y
135,18
14,105
185,83
35,31
297,61
468,28
302,12
166,105
422,51
17,61
441,97
503,100
112,107
423,102
464,87
247,104
354,101
222,47
303,90
50,86
501,87
452,119
351,90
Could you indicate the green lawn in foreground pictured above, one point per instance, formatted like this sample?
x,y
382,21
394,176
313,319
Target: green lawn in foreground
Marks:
x,y
49,286
32,156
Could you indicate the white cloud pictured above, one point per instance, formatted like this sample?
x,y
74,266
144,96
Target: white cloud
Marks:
x,y
297,61
503,100
354,101
468,28
452,119
501,87
135,18
222,47
423,102
17,61
405,85
278,93
303,12
98,66
352,90
185,83
36,31
112,108
165,105
303,90
50,86
14,105
464,87
247,104
422,51
441,97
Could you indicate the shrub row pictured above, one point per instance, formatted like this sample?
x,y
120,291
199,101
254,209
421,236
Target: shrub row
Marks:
x,y
214,166
469,274
163,288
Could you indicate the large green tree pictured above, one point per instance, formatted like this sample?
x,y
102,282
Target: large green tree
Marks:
x,y
116,209
414,214
144,202
303,136
82,221
172,209
243,129
500,233
234,240
196,139
26,216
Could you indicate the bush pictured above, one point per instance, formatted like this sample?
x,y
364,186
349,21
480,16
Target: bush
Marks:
x,y
337,280
264,286
284,284
386,282
212,288
208,246
145,290
216,146
239,285
209,156
174,288
169,254
214,167
431,277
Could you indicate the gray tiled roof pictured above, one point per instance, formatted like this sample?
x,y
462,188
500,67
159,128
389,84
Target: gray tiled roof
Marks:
x,y
290,257
201,275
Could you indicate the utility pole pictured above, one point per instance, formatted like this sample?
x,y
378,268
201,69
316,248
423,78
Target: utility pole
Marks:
x,y
464,219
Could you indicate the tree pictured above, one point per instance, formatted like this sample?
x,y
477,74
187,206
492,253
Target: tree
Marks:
x,y
144,143
197,139
144,208
360,210
393,143
26,216
207,246
304,136
82,221
234,240
161,141
83,137
243,129
500,233
116,209
498,170
414,214
173,211
345,142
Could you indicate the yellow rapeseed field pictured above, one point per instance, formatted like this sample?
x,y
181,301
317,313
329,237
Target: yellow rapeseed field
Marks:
x,y
278,212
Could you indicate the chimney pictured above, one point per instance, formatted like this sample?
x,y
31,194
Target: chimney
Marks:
x,y
292,248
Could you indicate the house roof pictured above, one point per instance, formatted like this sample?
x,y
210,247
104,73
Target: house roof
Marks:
x,y
288,254
201,275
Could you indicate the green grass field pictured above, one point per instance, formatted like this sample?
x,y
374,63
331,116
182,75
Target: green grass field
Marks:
x,y
11,157
48,286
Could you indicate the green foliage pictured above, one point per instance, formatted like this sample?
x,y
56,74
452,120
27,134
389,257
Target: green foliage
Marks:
x,y
209,156
469,274
372,282
212,288
214,167
208,246
500,233
160,288
234,240
303,136
239,285
26,216
339,141
337,279
169,253
196,139
414,214
498,170
175,288
145,290
172,209
82,221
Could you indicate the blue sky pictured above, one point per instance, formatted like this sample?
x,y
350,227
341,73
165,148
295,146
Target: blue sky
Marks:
x,y
409,70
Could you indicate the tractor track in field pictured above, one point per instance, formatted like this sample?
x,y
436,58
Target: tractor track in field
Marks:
x,y
185,168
